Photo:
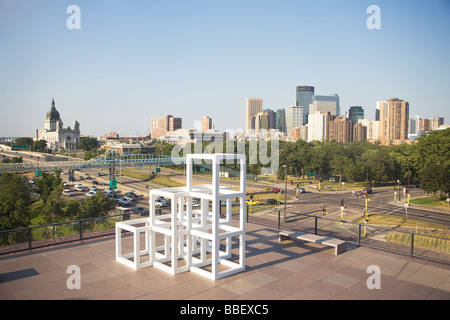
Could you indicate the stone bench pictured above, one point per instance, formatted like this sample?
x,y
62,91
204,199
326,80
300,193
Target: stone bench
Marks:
x,y
339,245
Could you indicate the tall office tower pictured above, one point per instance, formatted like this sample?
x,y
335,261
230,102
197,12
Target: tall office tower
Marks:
x,y
206,123
355,113
377,113
318,126
281,120
340,129
272,118
435,122
304,96
294,118
394,120
414,125
165,125
261,121
252,107
359,132
328,103
372,128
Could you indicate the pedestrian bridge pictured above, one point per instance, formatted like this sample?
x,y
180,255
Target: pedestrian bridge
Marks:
x,y
105,161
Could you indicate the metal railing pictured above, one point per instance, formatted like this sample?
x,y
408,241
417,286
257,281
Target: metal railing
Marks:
x,y
361,234
29,238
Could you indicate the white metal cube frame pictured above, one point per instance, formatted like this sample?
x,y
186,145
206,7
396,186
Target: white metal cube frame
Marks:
x,y
193,237
133,259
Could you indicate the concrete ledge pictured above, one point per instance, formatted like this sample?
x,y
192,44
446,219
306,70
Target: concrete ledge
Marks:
x,y
339,245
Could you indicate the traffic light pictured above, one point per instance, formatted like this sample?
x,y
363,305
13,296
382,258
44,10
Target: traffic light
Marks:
x,y
342,202
324,210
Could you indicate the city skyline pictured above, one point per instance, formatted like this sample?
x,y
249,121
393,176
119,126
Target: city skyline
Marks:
x,y
129,63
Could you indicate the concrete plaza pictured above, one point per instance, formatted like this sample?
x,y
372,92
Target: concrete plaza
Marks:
x,y
274,271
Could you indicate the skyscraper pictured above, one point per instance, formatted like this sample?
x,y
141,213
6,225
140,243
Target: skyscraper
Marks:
x,y
355,113
328,103
165,125
394,120
304,96
294,118
281,120
252,107
206,123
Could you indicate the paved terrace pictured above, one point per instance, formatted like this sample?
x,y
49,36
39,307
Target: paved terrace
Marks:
x,y
274,271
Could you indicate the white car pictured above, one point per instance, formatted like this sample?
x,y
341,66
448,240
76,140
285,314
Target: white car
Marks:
x,y
161,203
91,193
79,187
95,189
67,192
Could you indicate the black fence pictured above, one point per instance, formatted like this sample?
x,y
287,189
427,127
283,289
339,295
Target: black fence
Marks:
x,y
424,244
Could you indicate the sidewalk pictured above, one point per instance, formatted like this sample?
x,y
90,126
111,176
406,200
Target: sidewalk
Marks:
x,y
274,271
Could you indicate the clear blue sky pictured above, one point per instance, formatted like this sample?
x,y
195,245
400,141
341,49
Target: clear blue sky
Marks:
x,y
133,60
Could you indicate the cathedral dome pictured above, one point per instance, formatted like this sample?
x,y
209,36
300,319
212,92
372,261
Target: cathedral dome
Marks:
x,y
52,114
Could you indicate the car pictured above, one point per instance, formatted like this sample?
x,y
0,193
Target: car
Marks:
x,y
276,190
81,178
124,202
195,203
367,190
79,187
161,203
251,202
90,193
67,192
301,190
267,189
271,201
94,182
92,188
130,198
139,210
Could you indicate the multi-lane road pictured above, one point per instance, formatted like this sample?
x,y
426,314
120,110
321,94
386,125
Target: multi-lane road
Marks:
x,y
381,200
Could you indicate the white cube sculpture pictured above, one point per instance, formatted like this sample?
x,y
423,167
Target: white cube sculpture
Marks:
x,y
192,237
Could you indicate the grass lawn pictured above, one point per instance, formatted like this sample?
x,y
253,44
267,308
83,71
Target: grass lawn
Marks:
x,y
405,238
429,201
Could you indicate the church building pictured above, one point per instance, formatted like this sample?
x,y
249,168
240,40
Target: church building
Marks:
x,y
56,135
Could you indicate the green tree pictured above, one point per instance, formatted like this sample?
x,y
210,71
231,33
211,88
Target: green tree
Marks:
x,y
434,178
48,183
87,143
15,202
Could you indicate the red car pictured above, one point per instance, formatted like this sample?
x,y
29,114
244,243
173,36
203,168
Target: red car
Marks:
x,y
276,190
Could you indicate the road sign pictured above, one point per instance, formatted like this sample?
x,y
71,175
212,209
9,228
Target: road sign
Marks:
x,y
158,169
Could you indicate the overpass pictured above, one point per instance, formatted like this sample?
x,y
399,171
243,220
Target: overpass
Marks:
x,y
105,161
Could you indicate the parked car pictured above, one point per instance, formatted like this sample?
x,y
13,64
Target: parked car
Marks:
x,y
195,203
161,202
276,190
271,201
123,202
131,194
79,187
67,192
139,210
94,182
251,202
92,188
90,193
367,190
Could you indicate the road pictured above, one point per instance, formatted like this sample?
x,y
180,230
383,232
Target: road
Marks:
x,y
381,200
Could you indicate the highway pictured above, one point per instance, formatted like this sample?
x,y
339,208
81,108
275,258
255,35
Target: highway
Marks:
x,y
381,200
